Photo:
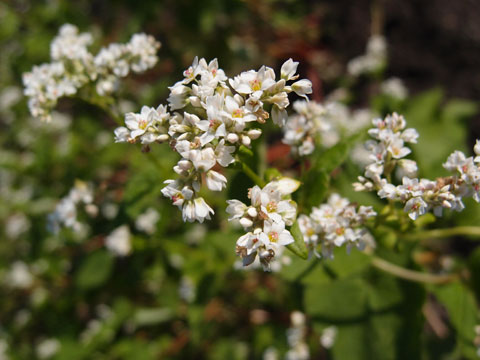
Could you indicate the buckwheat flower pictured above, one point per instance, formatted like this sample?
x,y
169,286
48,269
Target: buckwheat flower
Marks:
x,y
476,149
302,87
395,88
47,348
275,234
215,181
196,210
237,112
289,69
19,276
204,159
142,49
118,241
328,337
147,221
223,153
415,207
265,220
122,134
139,123
70,44
252,81
236,209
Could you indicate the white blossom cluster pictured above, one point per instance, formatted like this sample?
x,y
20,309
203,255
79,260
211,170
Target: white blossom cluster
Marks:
x,y
65,213
210,117
325,124
73,66
118,241
374,58
334,224
387,153
296,335
395,88
265,220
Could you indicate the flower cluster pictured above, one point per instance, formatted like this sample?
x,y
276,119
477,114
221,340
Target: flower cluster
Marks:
x,y
65,213
387,153
334,224
265,220
316,123
73,67
118,241
374,58
296,338
211,117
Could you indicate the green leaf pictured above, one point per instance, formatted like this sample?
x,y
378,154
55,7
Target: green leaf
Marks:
x,y
474,267
432,121
462,312
149,316
342,300
298,247
95,270
346,264
332,158
314,189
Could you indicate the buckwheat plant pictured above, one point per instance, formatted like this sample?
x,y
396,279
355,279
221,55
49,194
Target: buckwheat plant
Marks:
x,y
212,119
387,154
74,69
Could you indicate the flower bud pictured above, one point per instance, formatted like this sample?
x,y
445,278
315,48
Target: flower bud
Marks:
x,y
232,138
246,140
302,87
163,137
245,222
185,164
254,133
252,212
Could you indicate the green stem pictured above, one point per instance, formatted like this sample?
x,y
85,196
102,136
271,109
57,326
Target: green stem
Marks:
x,y
251,174
411,275
443,233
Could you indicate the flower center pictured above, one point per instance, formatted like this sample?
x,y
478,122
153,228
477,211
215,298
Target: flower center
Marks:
x,y
340,231
273,236
142,124
237,113
272,206
255,85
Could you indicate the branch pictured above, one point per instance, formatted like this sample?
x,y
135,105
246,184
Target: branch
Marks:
x,y
411,275
443,233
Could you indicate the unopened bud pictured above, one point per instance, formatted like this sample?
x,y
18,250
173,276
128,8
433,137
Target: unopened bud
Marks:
x,y
254,133
232,138
91,210
246,140
163,137
252,212
185,164
245,222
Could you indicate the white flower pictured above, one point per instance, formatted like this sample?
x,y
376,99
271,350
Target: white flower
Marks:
x,y
118,241
204,159
147,221
223,153
415,207
196,210
395,88
275,234
236,209
302,87
289,69
251,81
19,276
215,181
